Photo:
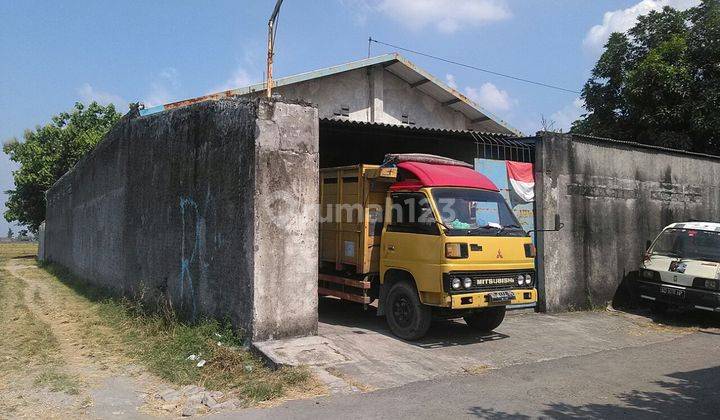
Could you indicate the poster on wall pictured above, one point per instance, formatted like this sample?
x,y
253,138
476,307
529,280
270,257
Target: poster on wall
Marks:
x,y
516,183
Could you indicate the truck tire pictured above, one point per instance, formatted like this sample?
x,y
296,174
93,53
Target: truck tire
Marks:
x,y
407,317
486,320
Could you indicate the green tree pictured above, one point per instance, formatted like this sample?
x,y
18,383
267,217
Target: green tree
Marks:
x,y
47,152
659,83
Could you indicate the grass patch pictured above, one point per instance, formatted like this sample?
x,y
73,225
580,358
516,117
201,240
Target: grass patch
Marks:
x,y
163,343
58,382
27,340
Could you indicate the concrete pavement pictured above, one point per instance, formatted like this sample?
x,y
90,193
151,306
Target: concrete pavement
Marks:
x,y
356,346
679,378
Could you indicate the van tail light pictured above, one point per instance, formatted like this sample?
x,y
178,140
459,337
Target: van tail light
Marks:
x,y
530,250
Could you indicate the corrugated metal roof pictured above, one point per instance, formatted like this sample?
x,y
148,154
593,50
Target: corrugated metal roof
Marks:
x,y
355,123
395,64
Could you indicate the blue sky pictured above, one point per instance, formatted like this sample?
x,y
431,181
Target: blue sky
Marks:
x,y
55,53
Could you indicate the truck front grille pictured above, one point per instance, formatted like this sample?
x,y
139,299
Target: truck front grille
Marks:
x,y
487,280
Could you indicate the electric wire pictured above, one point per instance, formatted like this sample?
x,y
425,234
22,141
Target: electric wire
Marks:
x,y
457,63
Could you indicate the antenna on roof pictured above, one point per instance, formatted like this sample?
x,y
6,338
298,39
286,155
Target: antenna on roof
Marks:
x,y
271,46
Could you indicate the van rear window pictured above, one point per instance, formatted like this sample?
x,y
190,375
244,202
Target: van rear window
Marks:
x,y
688,244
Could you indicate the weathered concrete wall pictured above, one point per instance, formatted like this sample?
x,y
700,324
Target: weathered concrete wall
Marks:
x,y
612,198
171,206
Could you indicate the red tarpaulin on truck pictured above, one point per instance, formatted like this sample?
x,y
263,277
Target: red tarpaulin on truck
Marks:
x,y
429,175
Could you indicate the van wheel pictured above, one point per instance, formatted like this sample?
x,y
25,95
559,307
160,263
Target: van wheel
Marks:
x,y
407,317
486,320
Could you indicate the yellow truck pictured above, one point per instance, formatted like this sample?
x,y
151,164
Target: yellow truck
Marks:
x,y
427,237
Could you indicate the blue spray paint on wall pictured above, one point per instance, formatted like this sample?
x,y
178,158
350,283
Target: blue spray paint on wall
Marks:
x,y
188,209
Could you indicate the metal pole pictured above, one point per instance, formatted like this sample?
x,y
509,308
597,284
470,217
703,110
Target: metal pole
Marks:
x,y
271,47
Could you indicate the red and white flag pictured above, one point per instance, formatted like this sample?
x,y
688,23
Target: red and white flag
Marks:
x,y
522,179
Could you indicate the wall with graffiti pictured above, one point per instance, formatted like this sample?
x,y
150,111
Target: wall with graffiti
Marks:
x,y
165,210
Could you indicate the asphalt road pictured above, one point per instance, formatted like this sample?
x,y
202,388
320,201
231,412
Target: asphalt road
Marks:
x,y
678,379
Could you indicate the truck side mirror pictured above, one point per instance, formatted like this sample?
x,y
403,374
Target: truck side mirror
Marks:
x,y
558,225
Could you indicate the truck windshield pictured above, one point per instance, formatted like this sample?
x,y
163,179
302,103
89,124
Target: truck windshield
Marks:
x,y
689,244
467,211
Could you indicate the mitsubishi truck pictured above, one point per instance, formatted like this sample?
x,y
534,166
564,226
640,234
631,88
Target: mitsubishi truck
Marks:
x,y
425,236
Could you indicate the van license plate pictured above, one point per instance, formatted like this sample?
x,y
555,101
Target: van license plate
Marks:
x,y
671,291
503,296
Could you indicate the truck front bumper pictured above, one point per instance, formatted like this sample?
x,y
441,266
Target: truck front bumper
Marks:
x,y
706,300
487,299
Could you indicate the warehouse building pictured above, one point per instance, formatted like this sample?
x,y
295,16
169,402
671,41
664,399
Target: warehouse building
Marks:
x,y
178,201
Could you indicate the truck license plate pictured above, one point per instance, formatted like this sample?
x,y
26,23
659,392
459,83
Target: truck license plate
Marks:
x,y
503,296
671,291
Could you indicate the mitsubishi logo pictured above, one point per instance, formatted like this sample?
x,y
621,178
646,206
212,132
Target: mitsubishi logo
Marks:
x,y
499,254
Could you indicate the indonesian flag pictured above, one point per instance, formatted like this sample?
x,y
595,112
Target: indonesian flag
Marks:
x,y
522,180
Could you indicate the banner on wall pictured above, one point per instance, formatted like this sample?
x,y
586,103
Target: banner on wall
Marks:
x,y
522,180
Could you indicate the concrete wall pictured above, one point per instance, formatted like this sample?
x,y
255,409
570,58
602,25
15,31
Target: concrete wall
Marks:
x,y
374,95
612,197
172,207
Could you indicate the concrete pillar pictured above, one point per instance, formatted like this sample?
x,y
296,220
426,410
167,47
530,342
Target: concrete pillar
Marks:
x,y
286,221
41,242
377,113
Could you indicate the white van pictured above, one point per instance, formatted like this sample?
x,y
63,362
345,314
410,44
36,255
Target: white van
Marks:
x,y
682,268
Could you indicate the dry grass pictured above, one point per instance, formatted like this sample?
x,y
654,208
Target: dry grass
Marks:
x,y
162,344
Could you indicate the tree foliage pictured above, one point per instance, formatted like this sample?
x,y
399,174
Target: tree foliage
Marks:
x,y
659,83
49,151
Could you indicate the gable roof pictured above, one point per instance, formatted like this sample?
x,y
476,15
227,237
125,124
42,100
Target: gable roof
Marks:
x,y
394,63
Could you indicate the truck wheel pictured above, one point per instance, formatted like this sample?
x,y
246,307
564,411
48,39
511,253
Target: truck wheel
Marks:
x,y
486,320
407,317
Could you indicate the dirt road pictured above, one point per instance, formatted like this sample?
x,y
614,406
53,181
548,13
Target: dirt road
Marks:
x,y
49,365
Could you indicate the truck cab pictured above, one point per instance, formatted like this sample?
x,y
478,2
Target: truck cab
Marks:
x,y
449,245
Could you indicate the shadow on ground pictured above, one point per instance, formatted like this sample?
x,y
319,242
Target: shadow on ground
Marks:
x,y
442,333
626,299
684,395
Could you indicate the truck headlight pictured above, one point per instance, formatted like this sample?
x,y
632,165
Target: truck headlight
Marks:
x,y
467,282
456,283
648,274
528,280
520,280
711,284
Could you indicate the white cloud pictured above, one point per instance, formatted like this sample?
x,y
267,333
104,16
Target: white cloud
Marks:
x,y
360,10
490,97
89,94
450,80
445,16
564,118
624,19
240,78
163,89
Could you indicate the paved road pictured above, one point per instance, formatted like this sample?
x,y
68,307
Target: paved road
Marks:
x,y
678,378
